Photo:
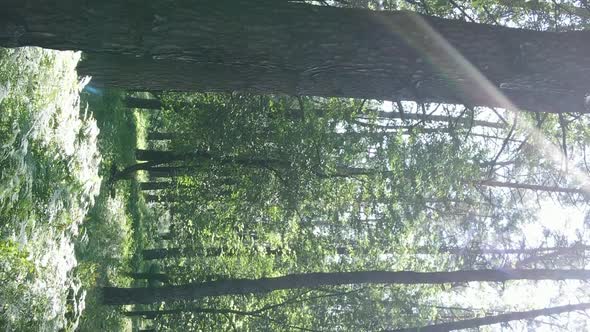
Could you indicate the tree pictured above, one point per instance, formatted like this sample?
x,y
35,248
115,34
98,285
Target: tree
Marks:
x,y
502,318
162,253
120,296
134,102
554,189
296,113
156,158
150,276
300,49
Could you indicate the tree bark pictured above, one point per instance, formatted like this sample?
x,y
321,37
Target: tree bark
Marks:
x,y
513,185
433,117
121,296
156,104
489,320
576,250
156,185
512,251
132,102
160,136
167,236
150,276
154,157
541,6
168,171
160,253
298,49
171,198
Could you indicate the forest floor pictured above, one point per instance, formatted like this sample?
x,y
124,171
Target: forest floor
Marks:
x,y
116,224
64,231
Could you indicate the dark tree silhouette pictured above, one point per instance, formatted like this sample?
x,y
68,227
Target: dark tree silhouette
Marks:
x,y
120,296
299,49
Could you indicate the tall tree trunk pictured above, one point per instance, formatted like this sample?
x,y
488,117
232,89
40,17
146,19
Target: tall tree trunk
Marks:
x,y
300,49
150,276
168,198
151,314
576,250
510,251
160,136
544,7
513,185
154,157
156,185
465,121
121,296
160,253
167,236
497,319
133,102
156,104
168,171
161,157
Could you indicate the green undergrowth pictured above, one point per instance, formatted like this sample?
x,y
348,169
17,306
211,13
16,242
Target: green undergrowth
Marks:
x,y
114,226
48,181
64,232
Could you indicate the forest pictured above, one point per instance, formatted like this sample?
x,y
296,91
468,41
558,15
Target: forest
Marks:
x,y
294,165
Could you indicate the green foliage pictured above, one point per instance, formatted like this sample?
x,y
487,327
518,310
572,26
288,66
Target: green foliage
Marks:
x,y
295,185
49,178
16,270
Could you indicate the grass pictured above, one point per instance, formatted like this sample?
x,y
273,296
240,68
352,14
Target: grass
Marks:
x,y
115,226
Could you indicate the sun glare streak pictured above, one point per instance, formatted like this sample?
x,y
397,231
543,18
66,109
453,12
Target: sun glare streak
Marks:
x,y
450,55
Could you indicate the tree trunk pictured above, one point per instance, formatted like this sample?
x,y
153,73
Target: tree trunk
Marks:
x,y
510,251
292,48
154,157
166,236
489,320
166,156
161,157
156,104
156,185
168,171
150,276
172,198
160,253
132,102
544,7
464,121
159,136
151,314
576,250
121,296
513,185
